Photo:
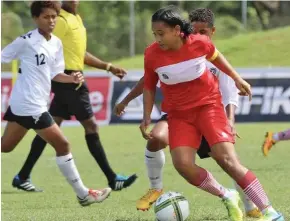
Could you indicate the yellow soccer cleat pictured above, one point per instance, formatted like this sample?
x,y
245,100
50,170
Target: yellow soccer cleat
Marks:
x,y
232,204
254,213
146,201
268,143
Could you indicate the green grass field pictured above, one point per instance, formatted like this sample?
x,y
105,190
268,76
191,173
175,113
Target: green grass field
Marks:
x,y
259,49
125,150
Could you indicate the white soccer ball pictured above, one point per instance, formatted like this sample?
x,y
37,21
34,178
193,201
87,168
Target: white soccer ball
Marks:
x,y
171,206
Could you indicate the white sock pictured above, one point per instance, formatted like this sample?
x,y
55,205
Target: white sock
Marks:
x,y
276,137
269,209
227,194
154,163
248,204
68,168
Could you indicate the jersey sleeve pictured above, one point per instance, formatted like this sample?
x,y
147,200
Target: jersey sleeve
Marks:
x,y
228,90
13,50
59,64
61,27
209,48
150,76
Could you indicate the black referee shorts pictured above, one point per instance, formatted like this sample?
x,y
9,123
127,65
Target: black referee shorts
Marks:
x,y
69,102
204,148
40,122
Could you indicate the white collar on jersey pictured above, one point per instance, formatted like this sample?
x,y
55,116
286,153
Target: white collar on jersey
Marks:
x,y
40,35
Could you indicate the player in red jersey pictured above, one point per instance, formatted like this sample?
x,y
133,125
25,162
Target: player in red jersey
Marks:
x,y
193,103
202,20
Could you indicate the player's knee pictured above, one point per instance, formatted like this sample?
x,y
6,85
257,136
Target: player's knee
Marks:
x,y
160,135
154,145
91,127
227,161
182,165
62,147
6,148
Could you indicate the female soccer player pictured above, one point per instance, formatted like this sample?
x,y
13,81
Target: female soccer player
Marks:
x,y
193,103
68,101
41,56
272,138
202,21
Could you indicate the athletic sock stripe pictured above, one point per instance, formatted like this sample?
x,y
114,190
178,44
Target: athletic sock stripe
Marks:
x,y
206,180
257,191
257,194
252,185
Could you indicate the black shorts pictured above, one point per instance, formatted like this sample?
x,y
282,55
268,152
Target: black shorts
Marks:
x,y
69,102
30,122
204,148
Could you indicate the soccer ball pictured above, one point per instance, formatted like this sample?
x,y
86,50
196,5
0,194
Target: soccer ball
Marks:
x,y
171,206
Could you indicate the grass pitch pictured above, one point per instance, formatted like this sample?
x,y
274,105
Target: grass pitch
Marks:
x,y
125,150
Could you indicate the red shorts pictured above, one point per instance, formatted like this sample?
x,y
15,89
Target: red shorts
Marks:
x,y
186,127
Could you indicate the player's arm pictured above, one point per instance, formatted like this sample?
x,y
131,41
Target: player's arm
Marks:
x,y
230,97
149,90
95,62
229,93
58,69
135,92
13,50
217,59
150,82
75,78
230,111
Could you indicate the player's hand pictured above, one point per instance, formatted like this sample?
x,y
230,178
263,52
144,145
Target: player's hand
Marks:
x,y
78,78
119,109
244,87
118,72
234,131
143,128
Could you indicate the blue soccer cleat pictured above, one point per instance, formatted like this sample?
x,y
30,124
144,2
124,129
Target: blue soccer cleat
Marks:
x,y
120,182
25,185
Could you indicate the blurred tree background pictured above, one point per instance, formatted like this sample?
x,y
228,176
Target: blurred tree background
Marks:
x,y
108,22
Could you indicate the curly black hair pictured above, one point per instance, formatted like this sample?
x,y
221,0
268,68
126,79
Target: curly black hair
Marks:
x,y
36,8
171,15
202,15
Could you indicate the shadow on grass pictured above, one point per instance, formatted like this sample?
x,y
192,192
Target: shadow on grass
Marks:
x,y
16,192
203,219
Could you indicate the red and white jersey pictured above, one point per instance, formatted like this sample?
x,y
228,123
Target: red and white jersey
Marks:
x,y
227,86
185,80
40,61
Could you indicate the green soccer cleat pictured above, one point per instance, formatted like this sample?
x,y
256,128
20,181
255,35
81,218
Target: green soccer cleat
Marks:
x,y
232,204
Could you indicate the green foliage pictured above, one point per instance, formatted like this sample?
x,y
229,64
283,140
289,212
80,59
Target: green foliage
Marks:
x,y
108,22
268,48
11,28
227,26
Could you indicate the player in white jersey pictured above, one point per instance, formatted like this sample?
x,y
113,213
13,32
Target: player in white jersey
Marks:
x,y
202,21
41,57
